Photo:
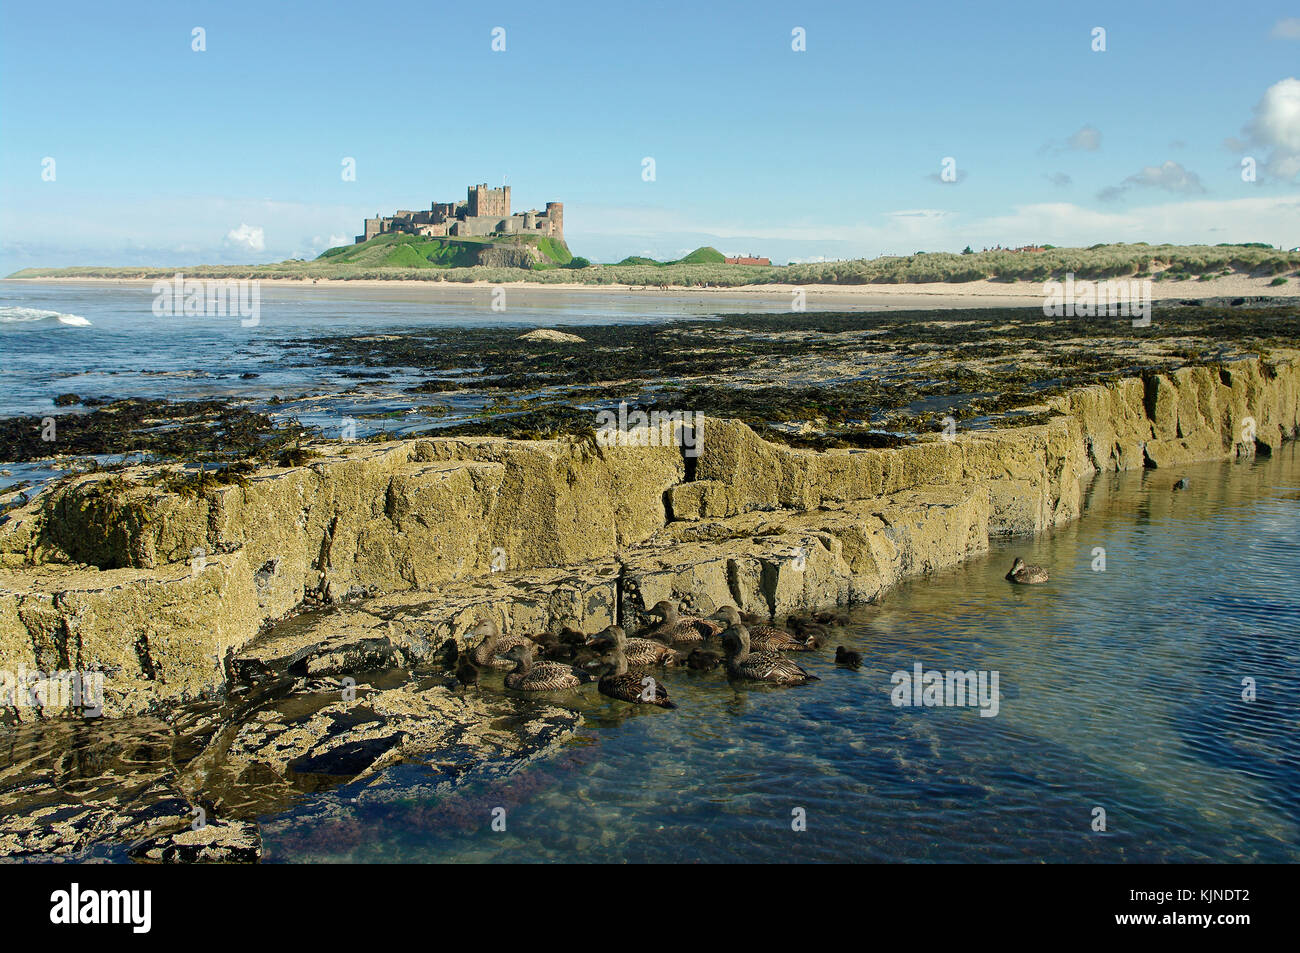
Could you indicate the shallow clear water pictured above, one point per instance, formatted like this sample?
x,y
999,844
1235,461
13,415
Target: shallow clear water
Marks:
x,y
1120,689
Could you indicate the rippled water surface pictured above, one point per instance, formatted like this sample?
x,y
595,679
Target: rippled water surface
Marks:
x,y
1120,689
105,341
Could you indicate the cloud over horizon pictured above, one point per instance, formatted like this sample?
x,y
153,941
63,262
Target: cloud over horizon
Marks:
x,y
1276,128
1169,175
248,236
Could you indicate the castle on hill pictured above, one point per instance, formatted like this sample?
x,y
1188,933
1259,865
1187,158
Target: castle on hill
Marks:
x,y
484,213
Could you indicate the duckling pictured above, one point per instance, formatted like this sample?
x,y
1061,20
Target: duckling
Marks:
x,y
763,637
623,685
703,660
640,652
530,676
813,634
828,617
1026,575
677,628
562,641
845,657
466,672
759,666
490,651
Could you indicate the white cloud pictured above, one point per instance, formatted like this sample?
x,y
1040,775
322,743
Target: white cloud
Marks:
x,y
1276,128
248,236
1169,175
1088,139
1288,28
319,243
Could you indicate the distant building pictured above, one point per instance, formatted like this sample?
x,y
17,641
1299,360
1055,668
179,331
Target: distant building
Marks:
x,y
747,261
484,213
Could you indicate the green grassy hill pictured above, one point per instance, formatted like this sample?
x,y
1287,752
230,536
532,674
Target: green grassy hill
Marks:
x,y
397,250
704,255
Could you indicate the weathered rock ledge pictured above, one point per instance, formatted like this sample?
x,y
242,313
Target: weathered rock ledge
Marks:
x,y
410,541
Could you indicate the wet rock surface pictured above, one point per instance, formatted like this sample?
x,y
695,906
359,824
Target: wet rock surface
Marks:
x,y
192,789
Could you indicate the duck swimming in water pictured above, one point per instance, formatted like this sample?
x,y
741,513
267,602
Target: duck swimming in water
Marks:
x,y
492,647
530,676
1026,575
639,652
763,636
770,667
618,683
677,628
844,656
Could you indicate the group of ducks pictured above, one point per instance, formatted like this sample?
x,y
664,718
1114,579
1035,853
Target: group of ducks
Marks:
x,y
752,650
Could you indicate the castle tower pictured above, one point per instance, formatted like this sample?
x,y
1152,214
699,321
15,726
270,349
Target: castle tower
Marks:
x,y
485,201
555,215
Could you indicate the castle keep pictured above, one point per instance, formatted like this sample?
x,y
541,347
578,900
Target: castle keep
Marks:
x,y
485,212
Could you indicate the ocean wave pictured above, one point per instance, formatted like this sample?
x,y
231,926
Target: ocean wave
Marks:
x,y
31,316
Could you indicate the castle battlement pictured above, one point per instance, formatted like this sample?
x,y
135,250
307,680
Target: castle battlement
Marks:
x,y
484,213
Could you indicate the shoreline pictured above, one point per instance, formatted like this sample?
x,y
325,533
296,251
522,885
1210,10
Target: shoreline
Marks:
x,y
938,294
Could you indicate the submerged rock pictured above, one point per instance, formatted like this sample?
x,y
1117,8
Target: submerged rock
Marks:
x,y
192,790
221,842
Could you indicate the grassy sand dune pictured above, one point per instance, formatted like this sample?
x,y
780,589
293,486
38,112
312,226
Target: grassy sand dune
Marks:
x,y
406,258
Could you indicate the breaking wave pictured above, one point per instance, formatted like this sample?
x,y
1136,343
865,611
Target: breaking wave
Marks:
x,y
30,316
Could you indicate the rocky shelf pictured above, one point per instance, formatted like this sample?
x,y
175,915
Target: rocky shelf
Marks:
x,y
231,623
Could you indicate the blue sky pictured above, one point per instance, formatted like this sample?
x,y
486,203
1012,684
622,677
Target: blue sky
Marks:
x,y
164,155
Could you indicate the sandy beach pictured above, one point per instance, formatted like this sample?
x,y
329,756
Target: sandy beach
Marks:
x,y
971,294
